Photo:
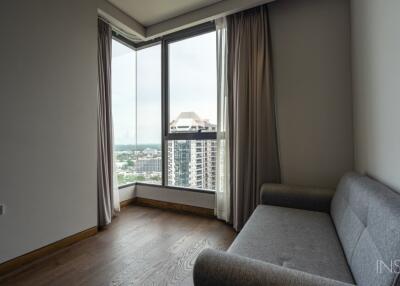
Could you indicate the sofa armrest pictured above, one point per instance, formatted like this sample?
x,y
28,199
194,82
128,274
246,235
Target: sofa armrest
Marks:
x,y
219,268
315,199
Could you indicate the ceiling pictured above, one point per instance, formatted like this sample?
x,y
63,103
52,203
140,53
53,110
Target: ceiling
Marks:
x,y
143,20
150,12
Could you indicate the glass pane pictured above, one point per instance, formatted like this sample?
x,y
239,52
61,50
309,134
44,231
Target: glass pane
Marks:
x,y
123,109
193,84
148,164
192,164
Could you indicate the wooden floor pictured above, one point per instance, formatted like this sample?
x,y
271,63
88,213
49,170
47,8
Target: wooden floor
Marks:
x,y
143,246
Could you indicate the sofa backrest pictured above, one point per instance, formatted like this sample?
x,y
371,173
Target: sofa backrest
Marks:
x,y
366,215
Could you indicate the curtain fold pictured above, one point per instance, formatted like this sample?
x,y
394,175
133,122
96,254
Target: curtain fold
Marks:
x,y
107,194
253,140
223,194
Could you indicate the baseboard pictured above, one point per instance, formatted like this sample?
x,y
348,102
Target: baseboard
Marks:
x,y
18,262
174,206
127,202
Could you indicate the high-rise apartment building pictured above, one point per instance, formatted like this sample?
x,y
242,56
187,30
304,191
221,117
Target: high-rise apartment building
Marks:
x,y
145,165
192,163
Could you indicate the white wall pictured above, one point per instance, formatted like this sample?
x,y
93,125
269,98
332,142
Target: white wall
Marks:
x,y
376,76
311,60
127,193
48,97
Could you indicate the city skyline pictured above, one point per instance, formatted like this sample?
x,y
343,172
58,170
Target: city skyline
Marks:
x,y
191,163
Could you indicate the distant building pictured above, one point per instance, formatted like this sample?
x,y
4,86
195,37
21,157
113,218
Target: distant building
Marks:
x,y
192,163
148,165
191,122
150,151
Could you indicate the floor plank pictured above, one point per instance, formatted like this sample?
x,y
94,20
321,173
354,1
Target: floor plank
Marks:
x,y
143,246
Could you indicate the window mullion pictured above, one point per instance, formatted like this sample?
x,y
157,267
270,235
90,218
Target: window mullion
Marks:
x,y
164,110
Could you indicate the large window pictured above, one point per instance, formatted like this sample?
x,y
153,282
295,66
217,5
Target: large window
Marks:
x,y
148,146
136,101
193,84
192,111
123,108
165,120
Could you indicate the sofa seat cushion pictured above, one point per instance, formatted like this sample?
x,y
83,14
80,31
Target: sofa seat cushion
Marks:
x,y
293,238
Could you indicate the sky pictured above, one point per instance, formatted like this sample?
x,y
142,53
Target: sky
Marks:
x,y
136,87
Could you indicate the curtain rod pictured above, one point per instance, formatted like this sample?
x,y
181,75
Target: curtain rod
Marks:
x,y
119,31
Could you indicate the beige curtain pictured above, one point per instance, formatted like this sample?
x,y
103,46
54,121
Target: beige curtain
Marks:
x,y
223,193
107,194
253,143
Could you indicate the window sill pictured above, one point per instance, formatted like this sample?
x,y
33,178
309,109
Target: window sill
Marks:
x,y
168,187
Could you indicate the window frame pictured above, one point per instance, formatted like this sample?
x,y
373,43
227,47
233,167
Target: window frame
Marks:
x,y
165,117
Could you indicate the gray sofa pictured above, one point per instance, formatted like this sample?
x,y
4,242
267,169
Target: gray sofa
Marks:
x,y
308,236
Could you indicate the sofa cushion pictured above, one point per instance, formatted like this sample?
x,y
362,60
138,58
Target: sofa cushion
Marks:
x,y
367,219
293,238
